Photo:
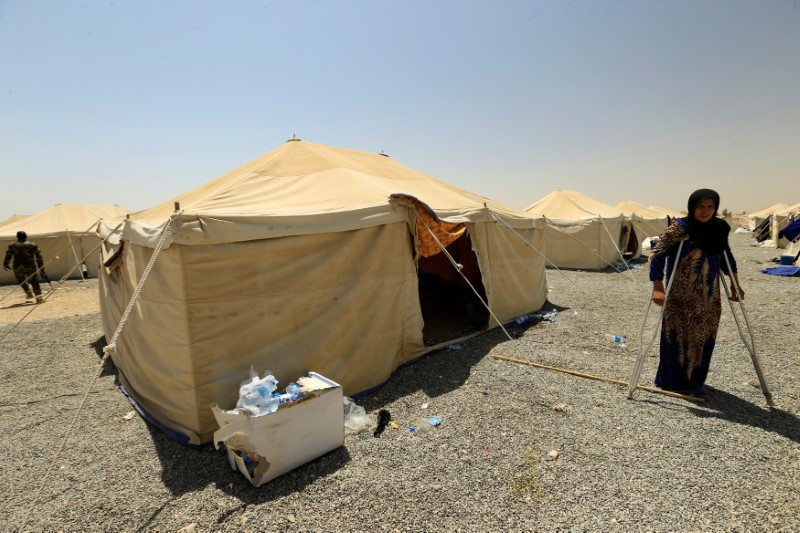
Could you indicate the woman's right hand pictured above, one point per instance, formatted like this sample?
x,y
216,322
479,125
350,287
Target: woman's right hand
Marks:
x,y
658,297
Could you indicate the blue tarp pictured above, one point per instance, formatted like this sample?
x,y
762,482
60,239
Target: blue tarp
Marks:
x,y
783,271
791,231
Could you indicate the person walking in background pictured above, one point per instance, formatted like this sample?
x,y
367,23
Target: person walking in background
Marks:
x,y
691,314
27,260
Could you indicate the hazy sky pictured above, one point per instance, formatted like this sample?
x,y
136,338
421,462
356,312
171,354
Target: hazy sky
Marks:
x,y
134,102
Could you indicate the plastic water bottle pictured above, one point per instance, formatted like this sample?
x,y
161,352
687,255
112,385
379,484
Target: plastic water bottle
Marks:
x,y
622,339
264,407
293,390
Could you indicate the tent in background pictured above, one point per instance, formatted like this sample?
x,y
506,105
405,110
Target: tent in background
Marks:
x,y
581,232
780,220
646,223
298,261
757,217
671,213
66,235
13,218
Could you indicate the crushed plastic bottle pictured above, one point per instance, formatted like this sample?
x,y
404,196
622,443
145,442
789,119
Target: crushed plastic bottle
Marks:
x,y
256,394
621,339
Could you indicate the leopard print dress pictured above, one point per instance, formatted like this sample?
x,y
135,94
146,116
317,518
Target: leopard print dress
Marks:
x,y
692,310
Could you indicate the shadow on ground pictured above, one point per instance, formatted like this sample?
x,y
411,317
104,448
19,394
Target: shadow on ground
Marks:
x,y
733,409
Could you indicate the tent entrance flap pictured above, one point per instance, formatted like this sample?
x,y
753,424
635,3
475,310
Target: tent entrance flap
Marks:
x,y
629,241
450,308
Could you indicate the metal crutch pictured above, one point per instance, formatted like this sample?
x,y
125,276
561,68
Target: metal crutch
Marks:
x,y
751,348
637,368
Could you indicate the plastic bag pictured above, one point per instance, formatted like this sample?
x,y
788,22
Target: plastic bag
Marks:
x,y
355,417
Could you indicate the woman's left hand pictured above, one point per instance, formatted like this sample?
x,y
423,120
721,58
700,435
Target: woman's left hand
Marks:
x,y
737,295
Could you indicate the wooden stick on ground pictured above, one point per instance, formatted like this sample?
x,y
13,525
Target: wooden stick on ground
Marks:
x,y
600,378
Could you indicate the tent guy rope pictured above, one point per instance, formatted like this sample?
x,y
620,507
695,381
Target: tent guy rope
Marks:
x,y
107,351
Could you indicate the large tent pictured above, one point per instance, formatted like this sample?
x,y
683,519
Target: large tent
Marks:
x,y
581,232
645,223
66,235
299,261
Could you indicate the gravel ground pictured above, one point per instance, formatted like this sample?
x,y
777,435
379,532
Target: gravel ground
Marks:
x,y
520,448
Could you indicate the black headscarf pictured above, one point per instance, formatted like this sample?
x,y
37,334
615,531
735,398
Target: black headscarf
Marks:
x,y
710,236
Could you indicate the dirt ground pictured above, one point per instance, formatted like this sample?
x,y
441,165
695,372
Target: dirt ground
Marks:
x,y
71,298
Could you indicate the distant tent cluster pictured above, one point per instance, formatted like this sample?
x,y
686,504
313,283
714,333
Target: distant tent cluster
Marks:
x,y
584,233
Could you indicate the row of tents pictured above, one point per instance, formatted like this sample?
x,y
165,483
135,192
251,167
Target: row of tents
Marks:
x,y
317,258
769,222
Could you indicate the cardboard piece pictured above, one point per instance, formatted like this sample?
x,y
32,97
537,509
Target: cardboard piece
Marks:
x,y
266,446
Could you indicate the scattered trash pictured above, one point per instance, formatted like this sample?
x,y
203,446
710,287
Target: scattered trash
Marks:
x,y
621,339
355,417
552,455
129,416
560,407
394,425
425,405
291,518
551,316
313,425
434,421
383,419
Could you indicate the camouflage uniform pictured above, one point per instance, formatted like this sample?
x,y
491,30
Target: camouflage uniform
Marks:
x,y
27,257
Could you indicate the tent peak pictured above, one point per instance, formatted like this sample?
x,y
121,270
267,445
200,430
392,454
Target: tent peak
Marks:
x,y
293,139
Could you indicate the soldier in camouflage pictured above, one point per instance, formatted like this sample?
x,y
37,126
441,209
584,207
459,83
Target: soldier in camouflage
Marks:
x,y
28,263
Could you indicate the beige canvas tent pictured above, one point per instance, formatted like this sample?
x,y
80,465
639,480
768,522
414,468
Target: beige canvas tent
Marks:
x,y
66,234
581,232
645,223
757,217
780,220
671,213
298,261
13,218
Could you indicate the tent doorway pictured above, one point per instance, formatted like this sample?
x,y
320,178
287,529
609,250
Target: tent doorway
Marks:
x,y
450,308
632,246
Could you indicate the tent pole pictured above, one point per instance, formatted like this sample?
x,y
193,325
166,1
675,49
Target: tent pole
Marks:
x,y
75,254
751,346
637,368
600,378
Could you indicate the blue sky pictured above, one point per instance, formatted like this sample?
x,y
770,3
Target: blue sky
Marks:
x,y
134,102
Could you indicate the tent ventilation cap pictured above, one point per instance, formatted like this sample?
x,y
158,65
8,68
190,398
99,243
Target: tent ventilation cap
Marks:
x,y
294,138
384,155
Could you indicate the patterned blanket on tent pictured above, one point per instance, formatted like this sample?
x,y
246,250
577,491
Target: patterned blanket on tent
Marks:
x,y
427,219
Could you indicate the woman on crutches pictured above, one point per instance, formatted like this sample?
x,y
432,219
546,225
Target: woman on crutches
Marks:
x,y
691,314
